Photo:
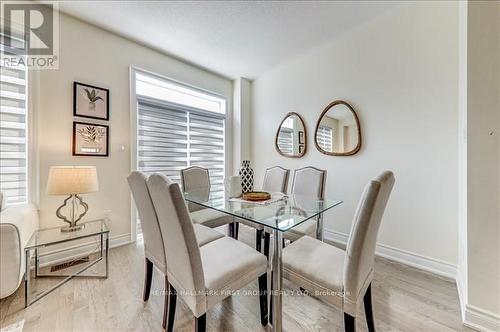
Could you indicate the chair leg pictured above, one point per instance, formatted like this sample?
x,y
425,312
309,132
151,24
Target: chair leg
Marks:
x,y
200,323
263,298
283,243
165,302
236,230
172,293
349,323
258,240
267,240
367,299
148,275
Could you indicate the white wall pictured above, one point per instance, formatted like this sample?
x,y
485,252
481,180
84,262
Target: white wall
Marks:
x,y
94,56
400,74
483,158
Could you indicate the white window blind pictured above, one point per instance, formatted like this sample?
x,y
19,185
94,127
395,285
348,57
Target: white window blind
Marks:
x,y
324,138
13,126
285,140
172,137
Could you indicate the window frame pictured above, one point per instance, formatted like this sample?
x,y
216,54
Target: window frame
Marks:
x,y
228,153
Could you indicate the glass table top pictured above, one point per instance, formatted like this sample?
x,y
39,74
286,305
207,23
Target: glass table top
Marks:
x,y
53,235
281,212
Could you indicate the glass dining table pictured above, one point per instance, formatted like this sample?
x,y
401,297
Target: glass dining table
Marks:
x,y
277,215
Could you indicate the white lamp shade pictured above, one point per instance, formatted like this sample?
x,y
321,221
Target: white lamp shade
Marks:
x,y
69,180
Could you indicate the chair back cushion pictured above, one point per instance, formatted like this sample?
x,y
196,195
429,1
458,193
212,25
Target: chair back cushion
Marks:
x,y
309,181
276,180
153,241
184,269
195,178
360,251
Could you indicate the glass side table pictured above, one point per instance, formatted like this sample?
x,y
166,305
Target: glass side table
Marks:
x,y
47,237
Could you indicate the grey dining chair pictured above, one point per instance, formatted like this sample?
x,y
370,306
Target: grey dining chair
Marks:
x,y
275,181
343,278
153,240
196,178
201,276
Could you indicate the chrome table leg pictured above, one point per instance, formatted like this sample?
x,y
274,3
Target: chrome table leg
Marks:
x,y
277,281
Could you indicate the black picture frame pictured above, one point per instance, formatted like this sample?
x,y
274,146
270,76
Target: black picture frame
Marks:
x,y
75,101
75,153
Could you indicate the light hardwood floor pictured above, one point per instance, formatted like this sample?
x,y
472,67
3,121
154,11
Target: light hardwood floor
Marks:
x,y
405,299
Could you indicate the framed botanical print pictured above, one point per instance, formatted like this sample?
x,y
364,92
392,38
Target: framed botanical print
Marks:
x,y
90,139
90,101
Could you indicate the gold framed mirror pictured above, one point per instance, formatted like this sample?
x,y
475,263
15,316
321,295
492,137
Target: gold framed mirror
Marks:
x,y
338,132
291,137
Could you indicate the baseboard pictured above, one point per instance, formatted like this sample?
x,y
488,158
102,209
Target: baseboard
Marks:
x,y
61,255
461,294
428,264
481,320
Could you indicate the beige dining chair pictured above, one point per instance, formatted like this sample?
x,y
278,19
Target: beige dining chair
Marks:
x,y
343,278
308,181
153,241
275,181
196,178
201,276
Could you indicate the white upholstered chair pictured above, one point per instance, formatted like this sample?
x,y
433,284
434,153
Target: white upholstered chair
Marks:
x,y
196,178
309,181
153,241
201,276
338,277
275,181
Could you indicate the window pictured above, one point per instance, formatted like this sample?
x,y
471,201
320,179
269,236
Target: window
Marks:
x,y
13,126
178,127
324,138
285,136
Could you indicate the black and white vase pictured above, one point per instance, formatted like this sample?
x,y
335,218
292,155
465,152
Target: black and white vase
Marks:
x,y
246,173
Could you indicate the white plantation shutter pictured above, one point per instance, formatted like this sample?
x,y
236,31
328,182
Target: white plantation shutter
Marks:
x,y
13,126
285,140
324,138
171,137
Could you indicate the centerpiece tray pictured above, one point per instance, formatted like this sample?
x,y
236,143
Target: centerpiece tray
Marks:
x,y
256,196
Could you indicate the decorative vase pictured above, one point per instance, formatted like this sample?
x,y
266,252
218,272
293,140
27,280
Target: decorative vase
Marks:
x,y
246,173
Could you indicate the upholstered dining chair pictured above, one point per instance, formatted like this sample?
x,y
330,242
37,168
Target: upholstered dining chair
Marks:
x,y
343,278
307,181
275,181
196,178
201,276
153,241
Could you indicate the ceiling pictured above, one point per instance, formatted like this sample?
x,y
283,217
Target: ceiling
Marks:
x,y
231,38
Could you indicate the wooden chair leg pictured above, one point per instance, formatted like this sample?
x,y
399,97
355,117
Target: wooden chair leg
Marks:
x,y
267,240
148,276
165,302
172,293
367,300
263,298
349,323
200,323
258,240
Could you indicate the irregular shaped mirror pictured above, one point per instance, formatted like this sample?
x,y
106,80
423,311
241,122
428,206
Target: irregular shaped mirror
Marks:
x,y
338,132
291,139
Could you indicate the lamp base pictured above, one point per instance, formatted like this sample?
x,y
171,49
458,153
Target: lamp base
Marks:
x,y
73,227
69,229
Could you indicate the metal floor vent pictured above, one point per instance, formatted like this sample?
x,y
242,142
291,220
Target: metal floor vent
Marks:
x,y
65,265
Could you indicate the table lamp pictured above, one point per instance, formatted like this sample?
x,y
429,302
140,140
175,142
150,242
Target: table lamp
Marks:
x,y
71,181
